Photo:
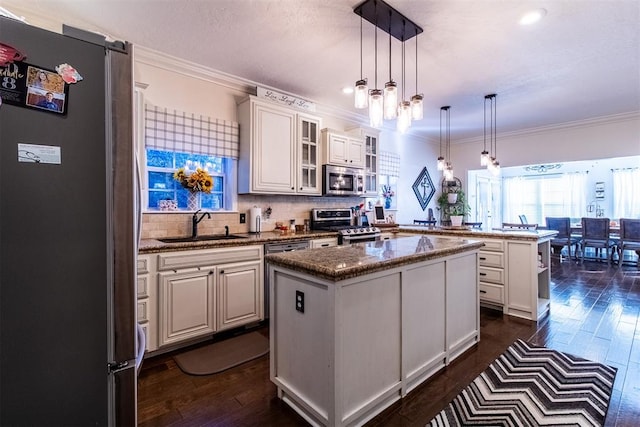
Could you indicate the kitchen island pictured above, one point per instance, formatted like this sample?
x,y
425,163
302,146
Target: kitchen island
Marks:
x,y
354,328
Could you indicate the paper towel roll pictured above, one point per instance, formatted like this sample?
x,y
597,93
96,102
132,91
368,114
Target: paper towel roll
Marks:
x,y
255,220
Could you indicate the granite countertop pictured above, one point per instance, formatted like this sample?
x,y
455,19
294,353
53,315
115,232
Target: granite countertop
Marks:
x,y
508,234
153,245
347,261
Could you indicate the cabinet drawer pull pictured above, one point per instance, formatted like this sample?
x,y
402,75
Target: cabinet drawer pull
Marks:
x,y
324,245
483,274
482,258
483,292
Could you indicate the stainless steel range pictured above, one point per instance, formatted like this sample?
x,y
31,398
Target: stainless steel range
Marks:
x,y
339,220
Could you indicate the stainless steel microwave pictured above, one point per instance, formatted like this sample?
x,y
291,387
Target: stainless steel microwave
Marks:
x,y
341,181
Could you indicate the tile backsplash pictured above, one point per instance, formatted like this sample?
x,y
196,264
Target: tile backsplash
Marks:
x,y
283,208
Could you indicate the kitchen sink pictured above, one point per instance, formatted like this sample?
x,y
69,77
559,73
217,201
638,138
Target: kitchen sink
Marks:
x,y
201,238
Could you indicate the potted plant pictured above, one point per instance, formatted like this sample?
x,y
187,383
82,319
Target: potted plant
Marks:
x,y
456,211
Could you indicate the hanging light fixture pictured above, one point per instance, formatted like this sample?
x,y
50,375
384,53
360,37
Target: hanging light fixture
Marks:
x,y
448,168
484,156
361,89
492,163
384,104
390,88
404,108
417,109
375,95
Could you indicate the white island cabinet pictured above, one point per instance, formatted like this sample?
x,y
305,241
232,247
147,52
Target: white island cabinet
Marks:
x,y
356,327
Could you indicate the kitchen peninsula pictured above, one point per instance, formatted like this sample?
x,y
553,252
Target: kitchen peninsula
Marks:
x,y
514,267
354,328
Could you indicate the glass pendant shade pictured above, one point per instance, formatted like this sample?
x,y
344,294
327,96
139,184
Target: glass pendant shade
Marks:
x,y
404,116
361,94
390,100
448,172
375,108
417,109
440,163
484,158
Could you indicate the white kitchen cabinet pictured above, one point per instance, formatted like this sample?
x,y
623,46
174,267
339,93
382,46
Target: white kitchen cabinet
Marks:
x,y
492,273
342,149
324,243
279,149
371,153
528,294
146,295
201,292
187,301
240,294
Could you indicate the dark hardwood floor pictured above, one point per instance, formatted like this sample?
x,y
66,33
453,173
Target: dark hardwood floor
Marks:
x,y
595,314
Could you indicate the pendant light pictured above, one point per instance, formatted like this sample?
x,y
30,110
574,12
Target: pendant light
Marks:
x,y
417,108
361,89
448,168
375,95
484,156
441,160
404,108
383,104
390,88
492,163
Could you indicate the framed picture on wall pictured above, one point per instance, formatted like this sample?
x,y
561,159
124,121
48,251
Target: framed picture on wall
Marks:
x,y
599,190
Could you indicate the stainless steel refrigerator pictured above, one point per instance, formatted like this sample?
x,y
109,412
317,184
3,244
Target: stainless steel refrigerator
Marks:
x,y
67,235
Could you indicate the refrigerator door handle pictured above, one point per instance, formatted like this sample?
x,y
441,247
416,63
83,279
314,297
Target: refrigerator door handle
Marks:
x,y
114,367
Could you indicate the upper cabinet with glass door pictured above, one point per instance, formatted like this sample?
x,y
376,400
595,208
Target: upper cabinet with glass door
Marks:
x,y
371,151
308,154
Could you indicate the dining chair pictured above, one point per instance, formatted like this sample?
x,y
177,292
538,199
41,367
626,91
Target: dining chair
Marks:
x,y
595,233
564,238
521,226
629,237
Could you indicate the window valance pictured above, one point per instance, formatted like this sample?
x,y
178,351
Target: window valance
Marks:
x,y
173,130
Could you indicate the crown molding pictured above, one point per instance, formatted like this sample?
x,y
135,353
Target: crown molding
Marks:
x,y
595,121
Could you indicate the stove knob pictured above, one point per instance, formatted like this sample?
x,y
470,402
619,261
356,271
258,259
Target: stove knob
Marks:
x,y
348,231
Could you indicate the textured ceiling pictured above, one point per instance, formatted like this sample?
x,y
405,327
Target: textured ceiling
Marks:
x,y
581,61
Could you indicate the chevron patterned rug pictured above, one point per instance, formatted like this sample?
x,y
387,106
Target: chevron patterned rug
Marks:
x,y
530,385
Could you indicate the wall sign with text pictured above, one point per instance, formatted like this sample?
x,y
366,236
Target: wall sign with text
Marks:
x,y
29,86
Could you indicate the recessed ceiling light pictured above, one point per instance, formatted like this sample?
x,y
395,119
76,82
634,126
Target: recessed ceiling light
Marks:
x,y
347,90
533,16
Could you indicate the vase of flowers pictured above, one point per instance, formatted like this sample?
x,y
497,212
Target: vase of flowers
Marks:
x,y
196,182
387,193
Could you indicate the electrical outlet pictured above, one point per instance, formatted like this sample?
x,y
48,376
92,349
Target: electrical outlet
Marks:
x,y
243,218
300,301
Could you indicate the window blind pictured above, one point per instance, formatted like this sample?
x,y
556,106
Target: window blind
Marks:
x,y
173,130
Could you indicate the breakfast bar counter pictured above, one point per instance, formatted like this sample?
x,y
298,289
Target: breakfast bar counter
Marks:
x,y
355,328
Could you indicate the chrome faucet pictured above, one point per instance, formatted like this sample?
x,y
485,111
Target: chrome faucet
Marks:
x,y
195,220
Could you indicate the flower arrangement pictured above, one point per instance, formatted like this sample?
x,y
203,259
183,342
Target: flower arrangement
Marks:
x,y
387,192
200,180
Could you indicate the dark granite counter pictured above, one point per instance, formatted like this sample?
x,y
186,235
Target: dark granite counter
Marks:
x,y
153,245
344,262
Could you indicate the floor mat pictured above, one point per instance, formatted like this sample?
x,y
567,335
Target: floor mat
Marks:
x,y
223,355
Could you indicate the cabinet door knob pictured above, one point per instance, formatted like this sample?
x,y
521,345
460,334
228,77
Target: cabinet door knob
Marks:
x,y
221,271
300,188
210,271
293,188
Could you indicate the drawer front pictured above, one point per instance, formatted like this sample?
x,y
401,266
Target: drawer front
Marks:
x,y
143,310
491,259
142,265
491,275
493,245
491,292
176,260
143,286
